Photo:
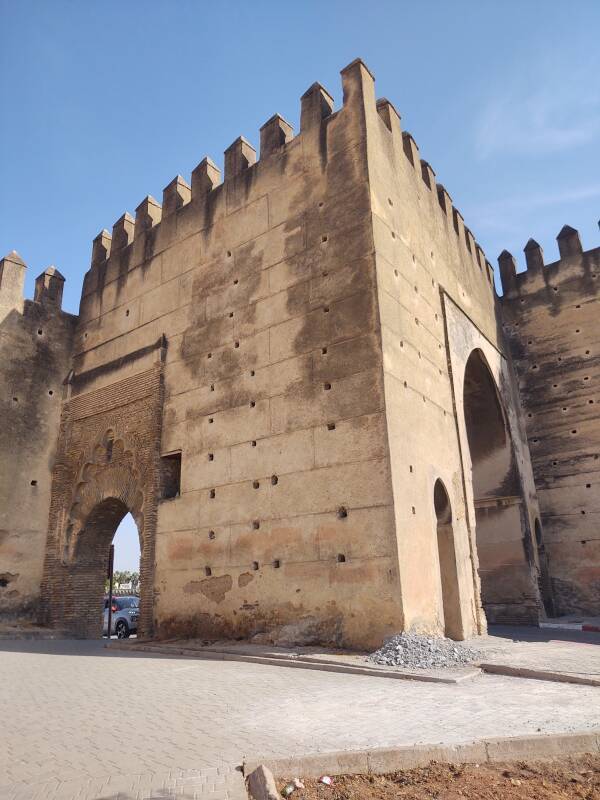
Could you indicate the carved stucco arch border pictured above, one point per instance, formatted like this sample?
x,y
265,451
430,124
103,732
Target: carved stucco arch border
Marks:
x,y
109,468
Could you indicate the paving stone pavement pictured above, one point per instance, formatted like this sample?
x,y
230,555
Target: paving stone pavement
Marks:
x,y
81,722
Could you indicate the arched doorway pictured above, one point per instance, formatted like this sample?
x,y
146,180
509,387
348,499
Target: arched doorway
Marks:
x,y
453,627
109,481
88,566
508,591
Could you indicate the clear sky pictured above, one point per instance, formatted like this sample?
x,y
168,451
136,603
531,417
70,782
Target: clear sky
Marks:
x,y
127,546
105,102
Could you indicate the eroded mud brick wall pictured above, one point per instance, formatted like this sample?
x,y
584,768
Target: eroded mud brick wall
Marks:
x,y
35,349
284,526
551,315
289,378
264,288
438,313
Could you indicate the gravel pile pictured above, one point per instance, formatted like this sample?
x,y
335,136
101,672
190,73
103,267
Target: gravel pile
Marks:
x,y
422,652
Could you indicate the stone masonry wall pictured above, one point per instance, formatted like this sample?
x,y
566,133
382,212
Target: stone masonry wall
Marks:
x,y
437,305
35,350
264,289
551,318
269,372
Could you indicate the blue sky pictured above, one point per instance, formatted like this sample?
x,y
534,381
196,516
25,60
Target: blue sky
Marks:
x,y
127,546
106,102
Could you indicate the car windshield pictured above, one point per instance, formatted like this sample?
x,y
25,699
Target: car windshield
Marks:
x,y
127,602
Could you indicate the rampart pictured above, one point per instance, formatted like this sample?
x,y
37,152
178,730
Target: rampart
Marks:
x,y
35,354
551,314
297,382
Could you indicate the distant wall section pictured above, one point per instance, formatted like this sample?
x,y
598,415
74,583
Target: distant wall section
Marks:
x,y
35,349
551,317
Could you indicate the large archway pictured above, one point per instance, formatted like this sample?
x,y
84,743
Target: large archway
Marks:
x,y
89,562
453,626
109,482
503,540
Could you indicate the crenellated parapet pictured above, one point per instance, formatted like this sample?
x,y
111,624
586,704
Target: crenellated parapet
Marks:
x,y
242,162
48,286
427,179
538,274
12,282
550,318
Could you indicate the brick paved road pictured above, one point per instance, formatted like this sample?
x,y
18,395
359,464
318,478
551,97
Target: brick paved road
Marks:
x,y
78,722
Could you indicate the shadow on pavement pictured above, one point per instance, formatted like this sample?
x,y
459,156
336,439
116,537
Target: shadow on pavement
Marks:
x,y
524,633
73,647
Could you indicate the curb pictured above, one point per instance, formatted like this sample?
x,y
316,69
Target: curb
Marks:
x,y
298,662
571,626
383,760
538,674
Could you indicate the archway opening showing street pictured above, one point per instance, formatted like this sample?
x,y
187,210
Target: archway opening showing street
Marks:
x,y
453,627
109,522
126,581
507,587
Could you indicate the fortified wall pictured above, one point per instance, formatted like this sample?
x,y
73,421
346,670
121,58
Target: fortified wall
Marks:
x,y
36,340
296,380
552,322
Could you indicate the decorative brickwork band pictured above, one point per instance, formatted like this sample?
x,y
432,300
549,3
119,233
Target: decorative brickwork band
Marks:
x,y
107,465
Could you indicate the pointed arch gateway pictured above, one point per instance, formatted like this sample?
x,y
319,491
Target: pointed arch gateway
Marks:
x,y
502,533
107,465
108,487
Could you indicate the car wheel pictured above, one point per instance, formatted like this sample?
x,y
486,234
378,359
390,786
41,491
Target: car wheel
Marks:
x,y
122,630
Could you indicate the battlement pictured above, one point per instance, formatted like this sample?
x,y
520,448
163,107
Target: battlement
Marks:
x,y
48,285
392,121
241,161
12,281
316,106
539,274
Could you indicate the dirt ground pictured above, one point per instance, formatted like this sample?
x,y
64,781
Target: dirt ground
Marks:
x,y
557,779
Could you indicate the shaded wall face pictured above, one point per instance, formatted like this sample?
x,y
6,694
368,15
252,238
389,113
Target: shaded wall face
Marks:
x,y
264,291
284,527
494,471
451,603
88,563
107,463
552,324
501,526
499,484
35,349
424,256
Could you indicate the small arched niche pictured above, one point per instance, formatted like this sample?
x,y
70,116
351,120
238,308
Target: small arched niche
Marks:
x,y
441,502
453,626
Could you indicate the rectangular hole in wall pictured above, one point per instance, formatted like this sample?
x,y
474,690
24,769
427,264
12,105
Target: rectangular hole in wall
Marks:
x,y
170,473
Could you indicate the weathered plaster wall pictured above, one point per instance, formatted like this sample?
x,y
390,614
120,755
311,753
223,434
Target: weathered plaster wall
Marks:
x,y
501,499
298,335
264,289
107,464
35,350
551,314
428,263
